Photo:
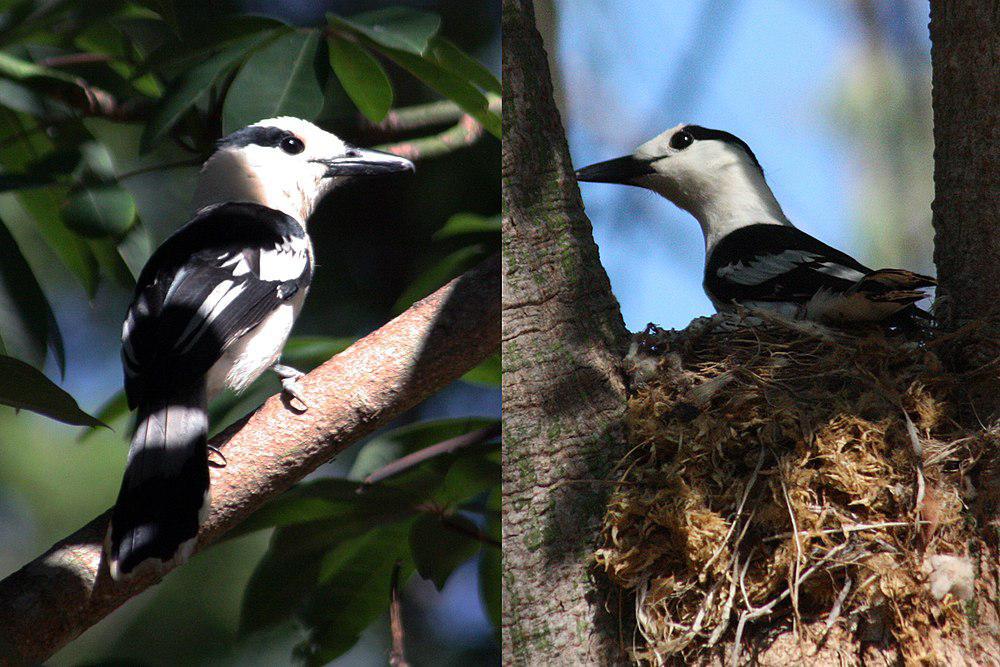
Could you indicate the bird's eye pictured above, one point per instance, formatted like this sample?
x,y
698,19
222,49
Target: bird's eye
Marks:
x,y
681,140
292,145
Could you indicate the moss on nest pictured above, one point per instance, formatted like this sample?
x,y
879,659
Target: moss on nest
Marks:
x,y
785,474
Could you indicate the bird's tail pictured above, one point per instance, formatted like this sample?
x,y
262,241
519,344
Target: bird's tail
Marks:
x,y
893,286
165,489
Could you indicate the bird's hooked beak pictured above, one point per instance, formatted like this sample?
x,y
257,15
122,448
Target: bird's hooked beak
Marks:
x,y
620,170
365,162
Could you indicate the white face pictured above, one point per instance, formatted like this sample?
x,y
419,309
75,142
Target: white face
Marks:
x,y
685,169
287,164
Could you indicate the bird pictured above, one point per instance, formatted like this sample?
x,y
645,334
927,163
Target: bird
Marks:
x,y
754,256
213,307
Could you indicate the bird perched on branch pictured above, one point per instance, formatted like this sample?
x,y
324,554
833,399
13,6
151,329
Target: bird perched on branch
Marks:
x,y
213,307
754,256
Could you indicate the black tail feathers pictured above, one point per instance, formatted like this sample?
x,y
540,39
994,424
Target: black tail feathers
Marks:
x,y
165,488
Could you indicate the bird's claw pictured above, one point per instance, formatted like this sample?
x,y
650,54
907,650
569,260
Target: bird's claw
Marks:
x,y
290,384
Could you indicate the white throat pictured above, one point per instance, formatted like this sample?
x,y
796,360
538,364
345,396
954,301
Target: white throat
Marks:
x,y
227,177
733,196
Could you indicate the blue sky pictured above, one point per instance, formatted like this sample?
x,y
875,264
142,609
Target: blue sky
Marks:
x,y
765,70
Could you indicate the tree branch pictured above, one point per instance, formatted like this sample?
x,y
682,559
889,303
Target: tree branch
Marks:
x,y
465,132
66,590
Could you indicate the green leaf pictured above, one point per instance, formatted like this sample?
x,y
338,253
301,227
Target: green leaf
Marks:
x,y
491,564
281,79
26,388
471,473
463,224
339,504
394,27
27,325
362,76
335,583
188,88
23,70
391,445
438,549
114,408
22,181
453,59
455,88
307,352
99,211
355,583
488,373
451,266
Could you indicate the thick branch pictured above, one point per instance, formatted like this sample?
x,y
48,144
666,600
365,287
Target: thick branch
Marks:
x,y
563,397
60,594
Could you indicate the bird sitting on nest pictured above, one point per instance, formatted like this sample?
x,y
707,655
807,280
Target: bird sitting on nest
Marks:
x,y
754,256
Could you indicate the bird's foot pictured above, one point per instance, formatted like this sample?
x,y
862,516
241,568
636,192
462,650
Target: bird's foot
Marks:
x,y
290,384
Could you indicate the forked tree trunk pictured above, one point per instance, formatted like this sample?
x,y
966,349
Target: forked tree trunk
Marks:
x,y
965,54
564,401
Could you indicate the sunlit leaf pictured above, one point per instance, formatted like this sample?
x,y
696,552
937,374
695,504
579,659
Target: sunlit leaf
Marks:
x,y
99,211
461,92
394,27
465,66
281,79
462,224
362,77
26,388
438,548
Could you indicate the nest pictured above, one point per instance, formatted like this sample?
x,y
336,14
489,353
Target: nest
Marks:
x,y
788,475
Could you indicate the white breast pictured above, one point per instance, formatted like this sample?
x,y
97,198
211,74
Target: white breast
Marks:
x,y
256,351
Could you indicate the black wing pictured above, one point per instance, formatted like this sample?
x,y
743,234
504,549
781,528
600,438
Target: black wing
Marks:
x,y
766,262
214,280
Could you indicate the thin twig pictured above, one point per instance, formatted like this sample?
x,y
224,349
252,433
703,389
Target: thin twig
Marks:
x,y
187,162
449,446
74,59
397,658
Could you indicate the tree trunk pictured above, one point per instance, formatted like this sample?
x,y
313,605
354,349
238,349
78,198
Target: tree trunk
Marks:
x,y
564,399
966,63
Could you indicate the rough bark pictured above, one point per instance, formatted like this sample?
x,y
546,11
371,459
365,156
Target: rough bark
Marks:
x,y
66,590
564,400
966,65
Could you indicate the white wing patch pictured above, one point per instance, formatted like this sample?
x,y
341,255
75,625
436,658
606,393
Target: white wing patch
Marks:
x,y
220,297
839,271
762,269
286,261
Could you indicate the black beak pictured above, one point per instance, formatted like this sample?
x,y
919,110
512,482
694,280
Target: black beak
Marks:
x,y
365,162
619,170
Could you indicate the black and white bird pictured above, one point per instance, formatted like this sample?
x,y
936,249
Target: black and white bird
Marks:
x,y
213,307
754,256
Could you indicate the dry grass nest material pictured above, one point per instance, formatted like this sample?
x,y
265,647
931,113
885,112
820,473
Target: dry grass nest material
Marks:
x,y
788,475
